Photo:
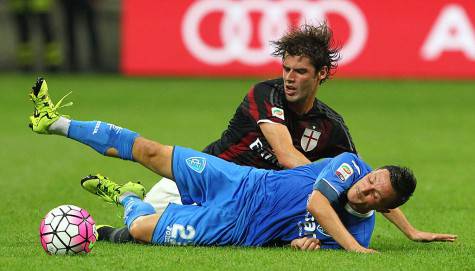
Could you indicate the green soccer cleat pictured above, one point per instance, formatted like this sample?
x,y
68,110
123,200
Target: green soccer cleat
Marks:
x,y
46,113
109,190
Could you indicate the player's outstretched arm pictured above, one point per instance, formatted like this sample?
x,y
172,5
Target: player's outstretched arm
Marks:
x,y
280,140
397,217
321,209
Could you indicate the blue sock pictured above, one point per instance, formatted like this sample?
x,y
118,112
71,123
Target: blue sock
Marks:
x,y
134,208
101,136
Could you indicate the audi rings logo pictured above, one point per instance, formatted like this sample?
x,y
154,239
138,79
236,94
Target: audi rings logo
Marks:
x,y
236,27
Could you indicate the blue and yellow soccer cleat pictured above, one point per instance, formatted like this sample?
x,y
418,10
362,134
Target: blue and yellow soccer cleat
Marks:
x,y
110,191
46,113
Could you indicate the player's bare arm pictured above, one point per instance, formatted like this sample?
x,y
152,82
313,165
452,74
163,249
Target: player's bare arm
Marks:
x,y
397,217
280,140
329,220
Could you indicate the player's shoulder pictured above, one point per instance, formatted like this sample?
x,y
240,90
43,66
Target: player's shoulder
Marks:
x,y
325,109
268,86
269,91
272,83
351,162
346,157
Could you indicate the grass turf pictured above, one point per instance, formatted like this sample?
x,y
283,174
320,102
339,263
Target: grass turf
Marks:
x,y
426,125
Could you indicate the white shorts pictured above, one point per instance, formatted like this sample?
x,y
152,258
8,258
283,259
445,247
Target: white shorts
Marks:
x,y
162,193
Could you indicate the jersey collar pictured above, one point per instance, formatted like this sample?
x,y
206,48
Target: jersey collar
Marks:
x,y
355,213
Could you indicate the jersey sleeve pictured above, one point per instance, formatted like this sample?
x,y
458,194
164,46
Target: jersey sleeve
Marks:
x,y
265,104
360,229
338,176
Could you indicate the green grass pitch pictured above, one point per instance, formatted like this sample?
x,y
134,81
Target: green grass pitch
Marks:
x,y
426,125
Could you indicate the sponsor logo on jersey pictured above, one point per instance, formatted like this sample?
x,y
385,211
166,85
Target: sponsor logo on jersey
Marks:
x,y
278,112
197,164
344,172
322,231
96,128
178,234
309,139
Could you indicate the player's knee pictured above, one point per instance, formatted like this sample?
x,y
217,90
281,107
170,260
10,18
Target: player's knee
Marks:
x,y
134,230
138,230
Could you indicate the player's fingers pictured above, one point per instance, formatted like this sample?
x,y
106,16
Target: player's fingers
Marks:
x,y
314,246
311,244
306,244
446,237
367,250
298,243
294,244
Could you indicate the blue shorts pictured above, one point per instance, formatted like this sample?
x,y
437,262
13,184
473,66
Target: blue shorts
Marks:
x,y
225,195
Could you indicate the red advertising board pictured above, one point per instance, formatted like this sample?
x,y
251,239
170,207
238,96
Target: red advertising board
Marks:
x,y
232,38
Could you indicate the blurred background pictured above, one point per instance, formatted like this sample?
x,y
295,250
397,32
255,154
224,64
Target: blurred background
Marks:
x,y
402,39
60,35
175,71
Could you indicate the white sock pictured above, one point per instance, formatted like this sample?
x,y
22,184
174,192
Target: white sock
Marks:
x,y
60,127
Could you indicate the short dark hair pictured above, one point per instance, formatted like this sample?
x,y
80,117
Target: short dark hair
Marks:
x,y
403,182
314,42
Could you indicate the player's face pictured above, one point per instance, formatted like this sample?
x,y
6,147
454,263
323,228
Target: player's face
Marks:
x,y
373,192
300,79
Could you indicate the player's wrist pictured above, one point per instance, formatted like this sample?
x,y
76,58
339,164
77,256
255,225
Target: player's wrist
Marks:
x,y
355,248
412,234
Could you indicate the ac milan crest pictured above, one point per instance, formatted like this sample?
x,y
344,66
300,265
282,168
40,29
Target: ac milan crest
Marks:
x,y
309,139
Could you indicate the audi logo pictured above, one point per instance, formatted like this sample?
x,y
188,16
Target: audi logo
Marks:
x,y
236,27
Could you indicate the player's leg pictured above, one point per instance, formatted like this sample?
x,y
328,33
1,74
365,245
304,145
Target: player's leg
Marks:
x,y
160,195
205,179
105,138
140,217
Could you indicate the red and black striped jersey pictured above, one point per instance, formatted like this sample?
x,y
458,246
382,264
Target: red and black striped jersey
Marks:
x,y
319,133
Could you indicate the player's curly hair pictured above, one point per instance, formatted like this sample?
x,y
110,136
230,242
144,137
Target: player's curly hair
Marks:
x,y
314,42
403,182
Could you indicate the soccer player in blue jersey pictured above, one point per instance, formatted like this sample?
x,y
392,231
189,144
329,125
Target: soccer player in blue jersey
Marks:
x,y
326,204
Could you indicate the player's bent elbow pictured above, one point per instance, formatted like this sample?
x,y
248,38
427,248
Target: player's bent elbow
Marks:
x,y
314,209
289,158
311,208
286,161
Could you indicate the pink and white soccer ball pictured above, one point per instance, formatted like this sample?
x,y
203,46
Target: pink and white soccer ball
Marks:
x,y
67,229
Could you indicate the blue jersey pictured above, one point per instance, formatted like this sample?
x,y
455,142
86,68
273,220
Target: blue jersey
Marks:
x,y
288,219
236,205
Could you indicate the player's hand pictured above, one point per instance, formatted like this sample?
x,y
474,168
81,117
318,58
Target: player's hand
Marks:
x,y
363,250
421,236
305,243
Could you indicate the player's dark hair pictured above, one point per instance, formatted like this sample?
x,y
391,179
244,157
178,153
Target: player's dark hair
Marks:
x,y
403,182
314,42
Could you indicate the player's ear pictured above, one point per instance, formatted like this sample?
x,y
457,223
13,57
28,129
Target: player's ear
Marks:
x,y
323,73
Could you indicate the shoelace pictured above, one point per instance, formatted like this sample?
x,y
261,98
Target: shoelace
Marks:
x,y
58,104
103,190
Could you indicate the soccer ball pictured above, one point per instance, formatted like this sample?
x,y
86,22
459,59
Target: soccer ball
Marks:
x,y
67,229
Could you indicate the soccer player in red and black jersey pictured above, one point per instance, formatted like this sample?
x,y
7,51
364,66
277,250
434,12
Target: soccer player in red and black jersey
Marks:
x,y
266,132
280,124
